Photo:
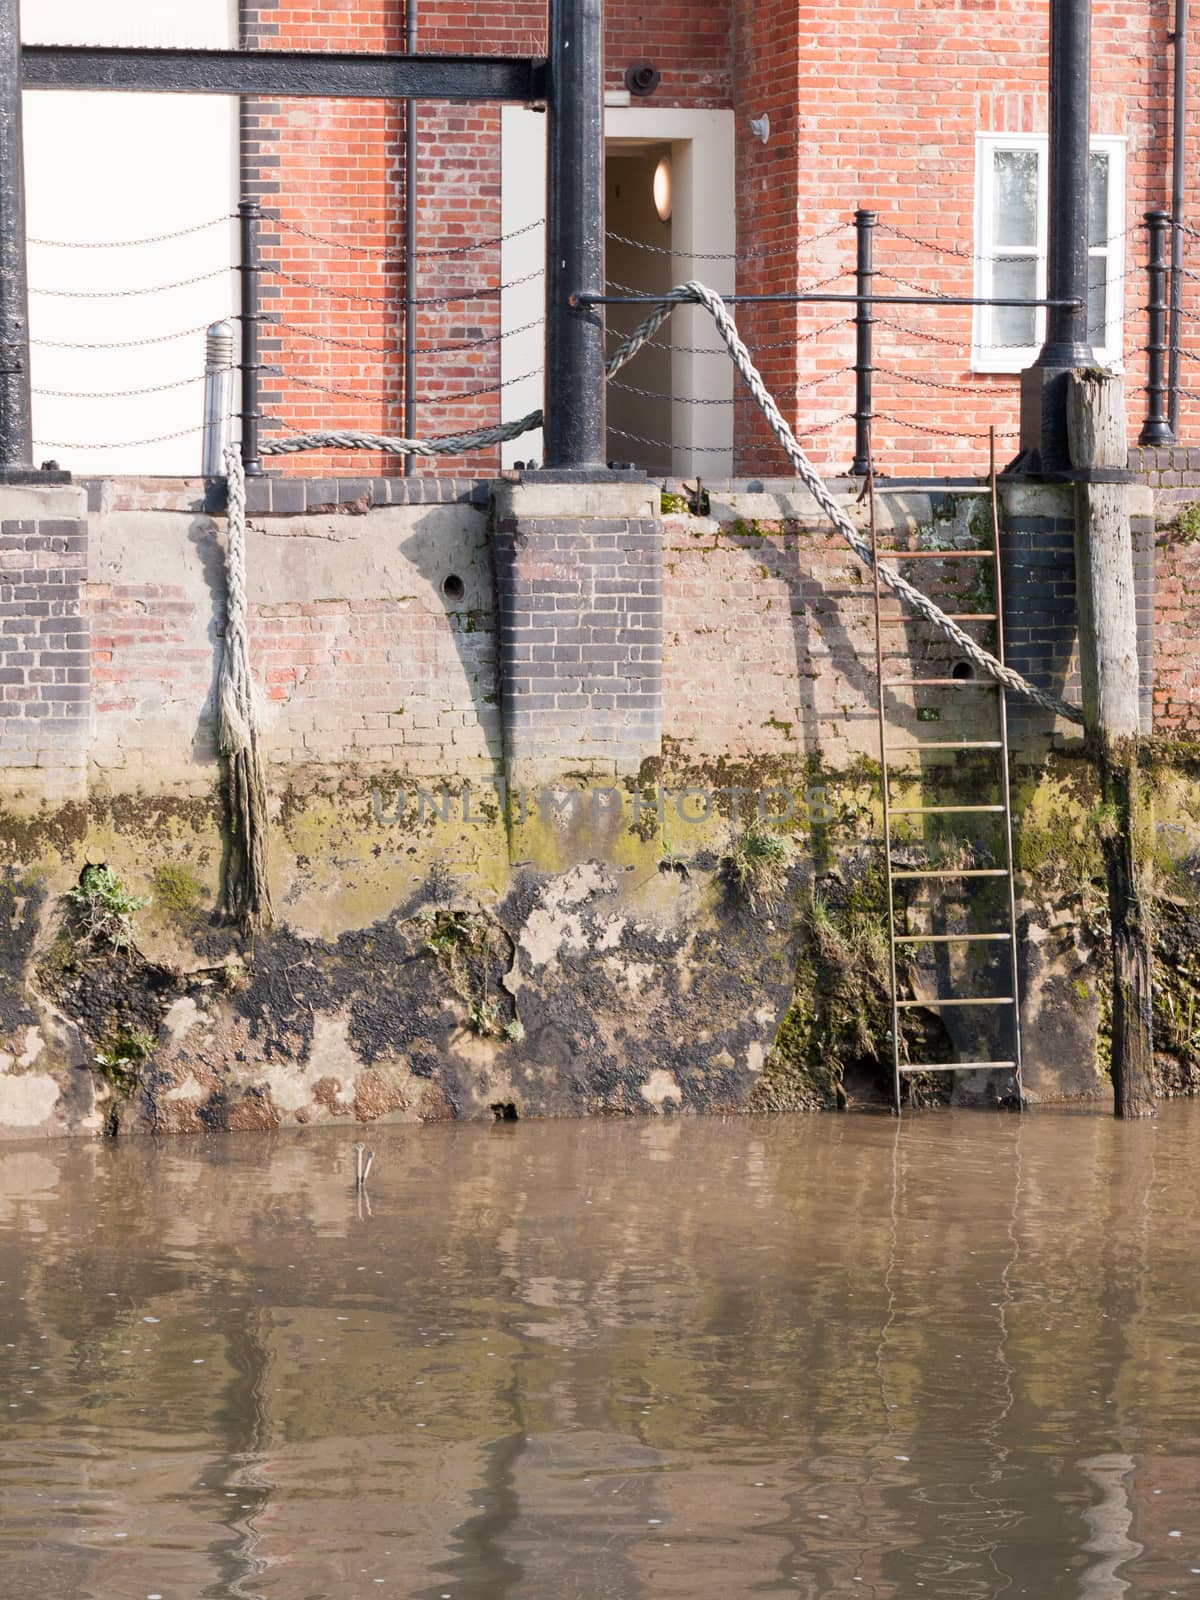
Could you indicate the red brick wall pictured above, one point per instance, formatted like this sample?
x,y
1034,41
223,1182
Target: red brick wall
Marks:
x,y
873,104
889,99
1177,666
336,168
689,44
769,644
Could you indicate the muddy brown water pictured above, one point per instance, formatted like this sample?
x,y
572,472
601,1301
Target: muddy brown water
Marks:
x,y
672,1358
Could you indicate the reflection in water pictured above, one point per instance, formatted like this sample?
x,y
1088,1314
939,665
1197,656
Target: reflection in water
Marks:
x,y
1109,1522
828,1357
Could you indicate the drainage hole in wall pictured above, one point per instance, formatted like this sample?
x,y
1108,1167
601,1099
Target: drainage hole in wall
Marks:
x,y
962,670
453,587
504,1111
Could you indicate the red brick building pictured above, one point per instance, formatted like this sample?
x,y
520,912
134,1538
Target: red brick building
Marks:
x,y
934,115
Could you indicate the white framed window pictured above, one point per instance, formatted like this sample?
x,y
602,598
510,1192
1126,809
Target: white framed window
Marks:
x,y
1010,248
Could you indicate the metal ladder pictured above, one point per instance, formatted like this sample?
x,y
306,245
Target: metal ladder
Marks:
x,y
1002,808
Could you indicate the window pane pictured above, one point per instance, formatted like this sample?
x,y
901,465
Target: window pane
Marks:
x,y
1015,277
1097,199
1097,300
1014,197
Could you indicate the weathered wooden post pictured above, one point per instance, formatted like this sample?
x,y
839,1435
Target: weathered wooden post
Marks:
x,y
1109,668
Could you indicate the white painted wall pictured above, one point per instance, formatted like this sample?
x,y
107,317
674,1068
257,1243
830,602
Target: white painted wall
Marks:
x,y
522,202
703,224
121,167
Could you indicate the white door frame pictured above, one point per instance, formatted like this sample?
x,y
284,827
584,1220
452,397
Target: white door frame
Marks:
x,y
703,225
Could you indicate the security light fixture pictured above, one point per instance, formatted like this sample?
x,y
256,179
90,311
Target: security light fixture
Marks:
x,y
642,78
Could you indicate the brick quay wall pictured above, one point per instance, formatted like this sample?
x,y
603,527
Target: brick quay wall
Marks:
x,y
507,728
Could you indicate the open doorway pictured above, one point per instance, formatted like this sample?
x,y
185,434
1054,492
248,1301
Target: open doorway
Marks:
x,y
686,361
638,205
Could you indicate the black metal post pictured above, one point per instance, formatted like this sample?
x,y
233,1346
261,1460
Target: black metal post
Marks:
x,y
1066,348
575,401
16,428
1067,342
411,129
251,365
864,318
1178,196
1157,428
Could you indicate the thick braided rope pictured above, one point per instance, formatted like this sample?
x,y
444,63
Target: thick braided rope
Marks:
x,y
234,711
452,444
247,891
698,294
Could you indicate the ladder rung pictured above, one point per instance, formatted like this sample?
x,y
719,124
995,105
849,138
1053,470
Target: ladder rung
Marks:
x,y
955,616
940,683
940,872
937,555
950,744
953,1066
913,811
951,938
944,872
1001,1000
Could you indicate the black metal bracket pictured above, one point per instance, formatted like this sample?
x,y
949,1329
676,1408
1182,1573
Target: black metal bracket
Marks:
x,y
33,477
275,73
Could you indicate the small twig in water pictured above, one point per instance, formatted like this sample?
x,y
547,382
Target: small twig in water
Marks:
x,y
362,1167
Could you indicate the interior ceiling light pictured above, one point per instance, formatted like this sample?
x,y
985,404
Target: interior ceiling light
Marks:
x,y
662,189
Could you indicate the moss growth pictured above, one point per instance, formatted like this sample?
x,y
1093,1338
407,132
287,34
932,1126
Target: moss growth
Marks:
x,y
754,868
1056,837
61,960
486,1018
941,534
177,888
840,1015
1176,990
472,951
120,1059
235,976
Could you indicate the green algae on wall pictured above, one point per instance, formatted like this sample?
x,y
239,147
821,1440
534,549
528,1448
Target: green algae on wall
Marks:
x,y
640,982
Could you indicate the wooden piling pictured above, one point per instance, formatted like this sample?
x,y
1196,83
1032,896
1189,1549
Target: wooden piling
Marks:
x,y
1097,438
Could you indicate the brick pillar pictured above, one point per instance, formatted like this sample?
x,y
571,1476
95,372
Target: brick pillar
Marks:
x,y
45,648
579,577
1037,552
1037,549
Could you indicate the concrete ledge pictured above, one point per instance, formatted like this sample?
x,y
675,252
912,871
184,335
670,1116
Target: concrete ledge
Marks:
x,y
533,502
32,503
